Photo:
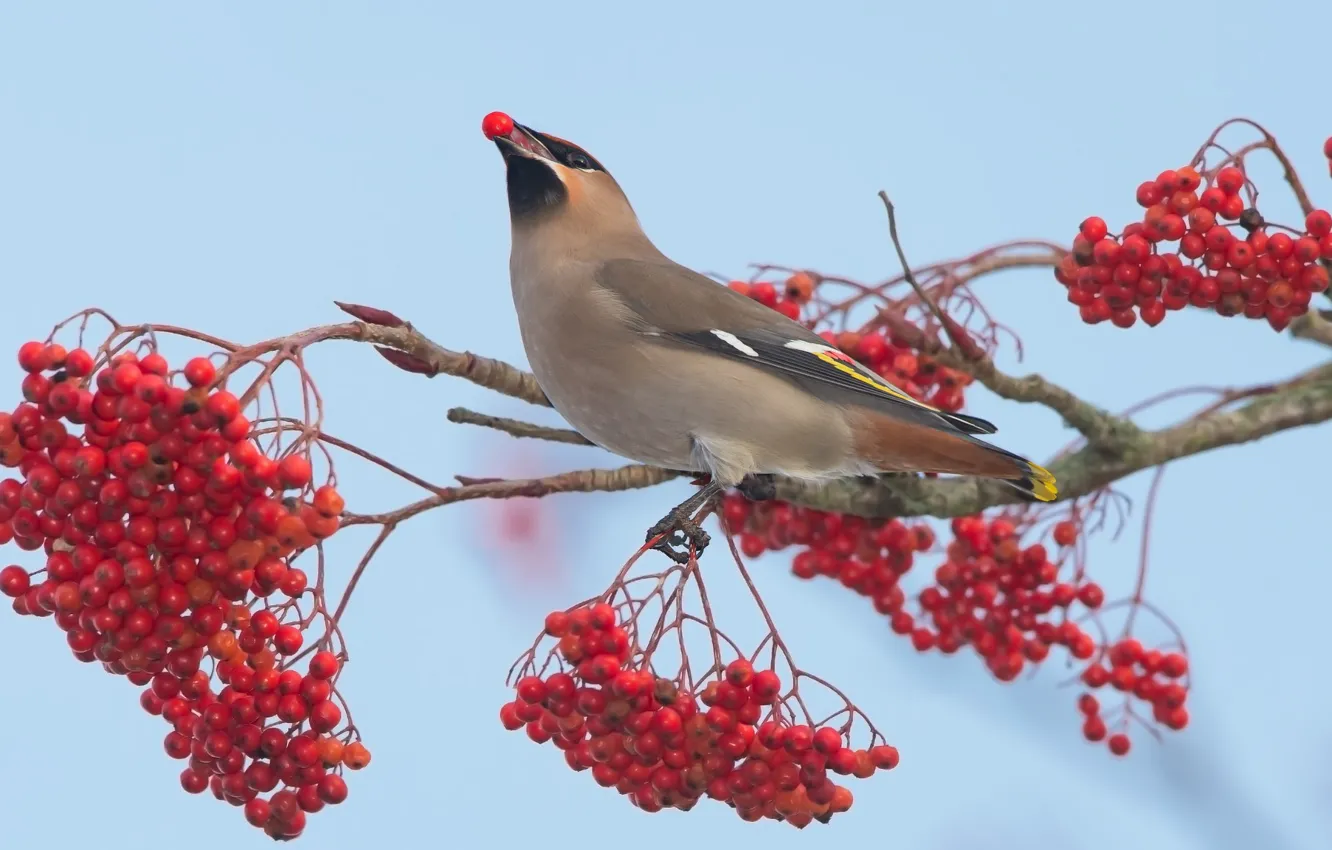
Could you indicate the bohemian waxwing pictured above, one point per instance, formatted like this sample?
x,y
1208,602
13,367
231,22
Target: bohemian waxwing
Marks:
x,y
662,365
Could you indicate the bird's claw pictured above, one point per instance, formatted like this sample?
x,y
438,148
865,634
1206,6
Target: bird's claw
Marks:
x,y
679,535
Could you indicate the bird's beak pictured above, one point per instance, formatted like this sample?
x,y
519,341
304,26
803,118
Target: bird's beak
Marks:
x,y
522,141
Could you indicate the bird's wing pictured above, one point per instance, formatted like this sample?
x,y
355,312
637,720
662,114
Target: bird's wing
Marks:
x,y
671,302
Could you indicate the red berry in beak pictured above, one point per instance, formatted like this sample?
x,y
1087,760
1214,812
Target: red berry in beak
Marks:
x,y
496,124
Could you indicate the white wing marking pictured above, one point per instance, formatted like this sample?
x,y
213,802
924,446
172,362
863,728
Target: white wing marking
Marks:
x,y
735,342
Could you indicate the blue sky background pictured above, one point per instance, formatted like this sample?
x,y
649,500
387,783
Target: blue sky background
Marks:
x,y
235,167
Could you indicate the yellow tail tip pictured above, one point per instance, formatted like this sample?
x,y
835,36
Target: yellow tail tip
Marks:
x,y
1045,491
1043,484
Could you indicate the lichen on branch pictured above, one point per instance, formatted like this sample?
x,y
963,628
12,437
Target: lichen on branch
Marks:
x,y
1118,448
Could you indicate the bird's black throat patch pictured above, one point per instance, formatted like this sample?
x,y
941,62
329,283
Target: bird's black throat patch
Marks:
x,y
533,188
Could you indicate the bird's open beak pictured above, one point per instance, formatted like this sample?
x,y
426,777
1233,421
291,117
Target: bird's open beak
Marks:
x,y
524,142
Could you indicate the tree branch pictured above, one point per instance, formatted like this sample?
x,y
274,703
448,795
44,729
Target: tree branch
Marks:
x,y
632,477
1306,400
1097,425
518,428
1314,326
423,354
1116,447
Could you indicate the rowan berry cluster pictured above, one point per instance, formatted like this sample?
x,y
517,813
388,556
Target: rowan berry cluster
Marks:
x,y
170,539
664,746
787,297
1198,245
1005,600
890,356
1147,674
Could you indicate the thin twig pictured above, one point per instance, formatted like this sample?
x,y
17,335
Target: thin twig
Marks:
x,y
955,332
632,477
518,428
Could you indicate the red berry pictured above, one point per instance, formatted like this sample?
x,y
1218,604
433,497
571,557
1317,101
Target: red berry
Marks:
x,y
1153,312
1091,595
199,372
557,623
1124,318
14,581
1093,729
1093,228
32,357
295,472
324,665
1174,665
1188,179
332,789
827,740
287,640
1106,252
193,781
78,363
1065,532
1148,194
1118,743
739,673
496,124
1318,223
1230,180
764,293
1240,254
325,716
1232,207
222,406
884,757
766,686
258,812
531,689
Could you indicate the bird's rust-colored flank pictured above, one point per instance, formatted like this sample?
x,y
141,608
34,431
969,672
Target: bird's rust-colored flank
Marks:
x,y
896,445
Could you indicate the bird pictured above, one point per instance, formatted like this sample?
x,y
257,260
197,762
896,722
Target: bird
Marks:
x,y
663,365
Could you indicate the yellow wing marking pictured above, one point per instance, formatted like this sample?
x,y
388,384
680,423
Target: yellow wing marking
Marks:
x,y
844,364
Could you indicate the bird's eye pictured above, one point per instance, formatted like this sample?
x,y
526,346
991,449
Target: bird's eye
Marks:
x,y
578,160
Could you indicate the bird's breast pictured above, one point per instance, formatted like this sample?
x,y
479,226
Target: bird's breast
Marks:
x,y
592,367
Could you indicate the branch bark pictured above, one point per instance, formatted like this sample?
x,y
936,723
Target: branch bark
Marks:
x,y
1116,447
1098,425
1306,400
517,428
631,477
1314,326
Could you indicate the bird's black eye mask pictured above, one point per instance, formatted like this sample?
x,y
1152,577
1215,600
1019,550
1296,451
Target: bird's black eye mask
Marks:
x,y
567,154
534,187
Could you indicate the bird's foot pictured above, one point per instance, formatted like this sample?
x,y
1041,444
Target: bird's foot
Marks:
x,y
758,487
682,534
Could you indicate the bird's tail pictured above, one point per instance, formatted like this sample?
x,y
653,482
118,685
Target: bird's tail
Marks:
x,y
892,444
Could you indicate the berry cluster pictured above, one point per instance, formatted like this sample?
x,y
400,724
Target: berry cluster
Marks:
x,y
663,746
170,538
1184,253
1004,600
1147,674
892,358
794,293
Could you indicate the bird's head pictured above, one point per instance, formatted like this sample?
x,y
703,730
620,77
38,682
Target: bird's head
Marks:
x,y
550,179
